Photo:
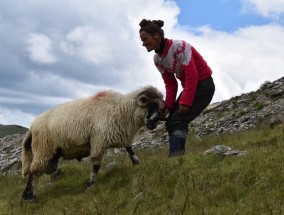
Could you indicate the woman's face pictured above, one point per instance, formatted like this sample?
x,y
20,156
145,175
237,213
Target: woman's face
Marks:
x,y
149,41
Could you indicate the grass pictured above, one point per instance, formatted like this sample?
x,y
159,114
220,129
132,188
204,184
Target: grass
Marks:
x,y
192,184
6,130
259,106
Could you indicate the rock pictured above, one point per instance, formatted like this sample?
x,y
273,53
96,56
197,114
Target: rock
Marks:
x,y
138,196
111,165
276,120
225,150
239,113
220,149
10,151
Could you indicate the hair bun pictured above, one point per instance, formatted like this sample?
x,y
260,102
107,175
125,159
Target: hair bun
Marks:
x,y
160,23
152,27
144,22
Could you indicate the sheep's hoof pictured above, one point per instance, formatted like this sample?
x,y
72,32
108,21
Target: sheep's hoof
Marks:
x,y
135,162
89,183
33,199
30,197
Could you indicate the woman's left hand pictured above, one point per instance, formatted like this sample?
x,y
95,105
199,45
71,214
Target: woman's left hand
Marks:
x,y
183,108
164,114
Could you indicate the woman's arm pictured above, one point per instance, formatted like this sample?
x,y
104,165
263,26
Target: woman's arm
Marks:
x,y
171,86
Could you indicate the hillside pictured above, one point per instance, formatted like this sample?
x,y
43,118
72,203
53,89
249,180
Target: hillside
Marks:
x,y
6,130
196,183
192,184
262,107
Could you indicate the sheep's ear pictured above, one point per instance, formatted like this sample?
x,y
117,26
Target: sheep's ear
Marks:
x,y
142,100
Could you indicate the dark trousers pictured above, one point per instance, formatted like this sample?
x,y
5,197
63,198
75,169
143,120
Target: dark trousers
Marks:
x,y
203,96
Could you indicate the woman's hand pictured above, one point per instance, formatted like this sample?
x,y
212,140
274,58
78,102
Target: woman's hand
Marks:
x,y
164,114
183,108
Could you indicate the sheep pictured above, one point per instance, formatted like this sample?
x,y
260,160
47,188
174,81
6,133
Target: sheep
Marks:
x,y
87,127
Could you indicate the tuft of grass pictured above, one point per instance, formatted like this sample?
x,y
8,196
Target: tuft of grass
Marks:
x,y
191,184
259,106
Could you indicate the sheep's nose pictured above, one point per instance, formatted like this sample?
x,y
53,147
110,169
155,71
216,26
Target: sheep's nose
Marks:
x,y
151,124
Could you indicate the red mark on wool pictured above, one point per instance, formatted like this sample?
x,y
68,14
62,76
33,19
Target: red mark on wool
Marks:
x,y
99,95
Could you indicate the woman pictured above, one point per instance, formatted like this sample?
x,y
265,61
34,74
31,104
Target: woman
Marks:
x,y
178,60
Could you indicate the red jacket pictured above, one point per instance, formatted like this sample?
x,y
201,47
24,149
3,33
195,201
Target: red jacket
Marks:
x,y
181,60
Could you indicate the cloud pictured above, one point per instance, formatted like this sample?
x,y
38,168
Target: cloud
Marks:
x,y
271,8
54,51
242,60
39,48
96,46
15,116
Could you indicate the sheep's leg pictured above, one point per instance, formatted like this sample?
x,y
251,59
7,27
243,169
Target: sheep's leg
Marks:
x,y
56,174
37,168
133,157
52,167
94,173
30,190
95,169
53,163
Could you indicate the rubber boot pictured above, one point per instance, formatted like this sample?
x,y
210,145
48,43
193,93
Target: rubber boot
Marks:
x,y
181,135
182,146
175,146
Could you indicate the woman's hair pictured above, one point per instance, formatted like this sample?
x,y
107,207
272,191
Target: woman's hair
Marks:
x,y
152,27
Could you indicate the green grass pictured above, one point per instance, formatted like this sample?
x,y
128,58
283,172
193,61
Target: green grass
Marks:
x,y
259,106
192,184
6,130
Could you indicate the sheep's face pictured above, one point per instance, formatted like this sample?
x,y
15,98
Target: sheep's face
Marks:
x,y
154,107
152,100
152,116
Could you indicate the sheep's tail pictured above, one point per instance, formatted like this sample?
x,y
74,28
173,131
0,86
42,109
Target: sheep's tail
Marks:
x,y
27,155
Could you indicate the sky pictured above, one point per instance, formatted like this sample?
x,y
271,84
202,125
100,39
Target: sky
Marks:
x,y
55,51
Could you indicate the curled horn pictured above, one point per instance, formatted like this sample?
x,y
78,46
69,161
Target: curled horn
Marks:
x,y
143,100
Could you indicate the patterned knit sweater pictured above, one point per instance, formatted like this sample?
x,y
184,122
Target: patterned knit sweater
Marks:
x,y
181,60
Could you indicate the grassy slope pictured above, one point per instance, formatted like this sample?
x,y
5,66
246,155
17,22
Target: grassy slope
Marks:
x,y
192,184
11,129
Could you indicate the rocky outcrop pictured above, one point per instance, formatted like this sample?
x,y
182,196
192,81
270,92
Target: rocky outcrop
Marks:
x,y
264,106
10,153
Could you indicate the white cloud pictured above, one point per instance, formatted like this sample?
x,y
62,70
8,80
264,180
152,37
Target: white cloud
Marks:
x,y
15,117
96,46
242,60
70,88
90,43
39,48
266,8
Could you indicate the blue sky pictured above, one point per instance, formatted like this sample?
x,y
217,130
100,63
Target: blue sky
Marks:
x,y
223,15
54,51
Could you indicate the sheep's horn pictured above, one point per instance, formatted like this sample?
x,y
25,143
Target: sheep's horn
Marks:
x,y
142,100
